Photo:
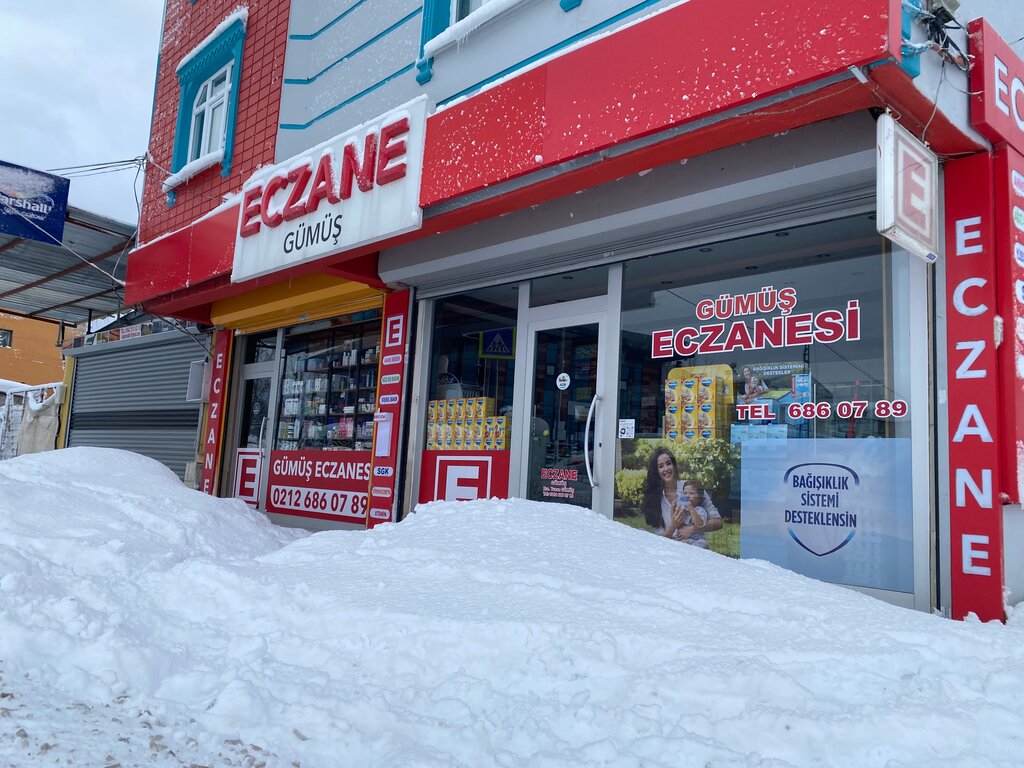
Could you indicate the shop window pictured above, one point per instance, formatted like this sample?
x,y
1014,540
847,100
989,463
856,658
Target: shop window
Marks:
x,y
6,338
208,78
766,381
329,388
471,371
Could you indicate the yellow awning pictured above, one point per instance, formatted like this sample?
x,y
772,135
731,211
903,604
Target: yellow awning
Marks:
x,y
301,300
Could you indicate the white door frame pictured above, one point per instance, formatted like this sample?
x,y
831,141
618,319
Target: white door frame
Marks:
x,y
605,312
270,369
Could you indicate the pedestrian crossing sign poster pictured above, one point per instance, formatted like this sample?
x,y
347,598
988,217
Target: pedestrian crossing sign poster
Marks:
x,y
498,343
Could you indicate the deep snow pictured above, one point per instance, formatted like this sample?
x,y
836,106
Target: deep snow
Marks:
x,y
142,623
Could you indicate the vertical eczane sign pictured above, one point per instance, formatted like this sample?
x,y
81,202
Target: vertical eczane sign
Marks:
x,y
1009,202
387,419
975,524
213,433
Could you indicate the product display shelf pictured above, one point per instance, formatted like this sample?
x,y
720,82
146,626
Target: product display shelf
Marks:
x,y
329,398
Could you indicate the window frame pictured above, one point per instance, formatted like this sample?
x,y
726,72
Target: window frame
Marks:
x,y
206,113
224,51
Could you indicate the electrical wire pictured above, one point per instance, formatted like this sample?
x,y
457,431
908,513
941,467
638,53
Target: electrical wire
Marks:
x,y
8,210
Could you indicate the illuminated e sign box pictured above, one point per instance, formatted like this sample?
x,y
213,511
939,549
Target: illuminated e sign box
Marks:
x,y
907,190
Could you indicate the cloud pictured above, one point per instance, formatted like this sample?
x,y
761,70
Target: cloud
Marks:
x,y
77,89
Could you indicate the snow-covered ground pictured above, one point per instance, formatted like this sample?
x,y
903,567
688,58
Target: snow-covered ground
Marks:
x,y
145,624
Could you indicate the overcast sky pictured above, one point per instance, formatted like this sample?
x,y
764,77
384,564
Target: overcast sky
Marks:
x,y
76,88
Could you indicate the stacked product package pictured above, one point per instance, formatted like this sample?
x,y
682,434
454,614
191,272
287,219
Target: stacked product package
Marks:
x,y
466,424
695,407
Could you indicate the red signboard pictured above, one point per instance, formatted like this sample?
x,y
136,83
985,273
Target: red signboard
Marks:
x,y
1009,201
975,515
463,475
248,468
997,87
387,420
327,485
215,412
676,67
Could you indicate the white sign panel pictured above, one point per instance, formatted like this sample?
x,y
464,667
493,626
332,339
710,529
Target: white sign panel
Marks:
x,y
907,190
356,188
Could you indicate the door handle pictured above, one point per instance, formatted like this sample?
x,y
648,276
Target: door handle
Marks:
x,y
263,426
586,442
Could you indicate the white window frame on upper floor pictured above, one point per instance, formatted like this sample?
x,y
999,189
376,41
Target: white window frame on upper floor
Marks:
x,y
202,115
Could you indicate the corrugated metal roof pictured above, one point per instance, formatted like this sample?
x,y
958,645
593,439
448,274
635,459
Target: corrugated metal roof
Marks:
x,y
48,281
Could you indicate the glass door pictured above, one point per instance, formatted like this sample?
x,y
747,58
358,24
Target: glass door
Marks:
x,y
562,436
255,418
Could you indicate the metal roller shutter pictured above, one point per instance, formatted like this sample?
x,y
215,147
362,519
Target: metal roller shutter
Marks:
x,y
132,396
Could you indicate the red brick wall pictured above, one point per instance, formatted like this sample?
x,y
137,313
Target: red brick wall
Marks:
x,y
259,96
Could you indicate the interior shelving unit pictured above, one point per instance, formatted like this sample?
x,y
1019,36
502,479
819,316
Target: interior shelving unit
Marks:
x,y
329,389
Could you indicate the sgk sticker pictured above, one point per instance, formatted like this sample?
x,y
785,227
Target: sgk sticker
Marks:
x,y
1018,253
1018,218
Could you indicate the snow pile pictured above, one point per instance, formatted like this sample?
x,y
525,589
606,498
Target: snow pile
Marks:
x,y
151,618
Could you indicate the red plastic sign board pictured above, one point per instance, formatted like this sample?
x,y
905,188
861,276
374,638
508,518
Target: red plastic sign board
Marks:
x,y
975,508
387,419
1009,190
997,87
463,475
327,485
216,399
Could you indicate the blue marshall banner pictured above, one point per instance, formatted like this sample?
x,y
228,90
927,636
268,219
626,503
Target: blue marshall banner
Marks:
x,y
32,204
833,509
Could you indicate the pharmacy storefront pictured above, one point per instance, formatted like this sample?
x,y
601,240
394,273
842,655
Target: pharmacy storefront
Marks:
x,y
754,383
313,367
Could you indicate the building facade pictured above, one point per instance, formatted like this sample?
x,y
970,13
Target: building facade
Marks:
x,y
30,349
613,254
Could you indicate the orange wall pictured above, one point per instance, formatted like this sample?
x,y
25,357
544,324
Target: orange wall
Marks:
x,y
34,357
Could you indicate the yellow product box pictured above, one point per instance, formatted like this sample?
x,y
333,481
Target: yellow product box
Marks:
x,y
448,431
470,407
710,390
687,420
460,408
673,434
431,444
478,444
432,410
449,410
494,425
706,416
459,444
431,430
708,433
500,444
459,433
673,414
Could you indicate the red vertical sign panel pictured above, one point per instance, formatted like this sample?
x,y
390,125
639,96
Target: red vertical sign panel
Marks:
x,y
1009,188
387,419
216,398
976,531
